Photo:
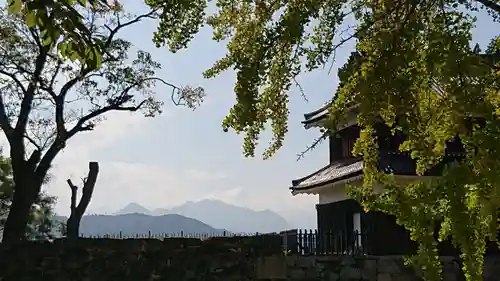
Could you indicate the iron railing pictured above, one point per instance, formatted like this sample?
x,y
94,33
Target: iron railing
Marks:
x,y
312,242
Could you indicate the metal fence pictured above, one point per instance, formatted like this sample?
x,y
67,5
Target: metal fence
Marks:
x,y
293,242
312,242
153,235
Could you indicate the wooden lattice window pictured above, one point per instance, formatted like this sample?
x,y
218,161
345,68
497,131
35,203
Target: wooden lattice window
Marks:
x,y
347,147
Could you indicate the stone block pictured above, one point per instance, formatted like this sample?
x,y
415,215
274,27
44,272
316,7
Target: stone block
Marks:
x,y
404,277
491,270
450,276
332,276
305,262
291,261
390,265
384,277
296,274
313,274
273,267
369,270
350,273
347,260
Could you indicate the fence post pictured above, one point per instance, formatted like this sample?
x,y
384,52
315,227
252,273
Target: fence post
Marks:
x,y
300,242
327,245
307,242
316,242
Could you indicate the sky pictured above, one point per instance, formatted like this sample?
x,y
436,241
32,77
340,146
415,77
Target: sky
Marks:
x,y
183,155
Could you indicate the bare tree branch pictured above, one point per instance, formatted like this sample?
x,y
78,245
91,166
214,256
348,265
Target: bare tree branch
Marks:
x,y
311,147
302,93
4,120
490,4
115,30
56,73
15,79
33,142
60,100
27,101
117,105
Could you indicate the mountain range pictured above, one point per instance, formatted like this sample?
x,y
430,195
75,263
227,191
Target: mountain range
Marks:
x,y
131,225
218,215
206,217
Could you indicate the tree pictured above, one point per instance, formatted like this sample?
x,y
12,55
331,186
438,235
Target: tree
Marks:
x,y
415,70
40,221
46,98
77,210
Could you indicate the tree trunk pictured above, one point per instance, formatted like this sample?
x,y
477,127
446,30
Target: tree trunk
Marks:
x,y
15,226
73,227
77,211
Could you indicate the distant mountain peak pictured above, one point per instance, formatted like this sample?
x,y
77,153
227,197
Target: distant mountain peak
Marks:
x,y
222,215
133,208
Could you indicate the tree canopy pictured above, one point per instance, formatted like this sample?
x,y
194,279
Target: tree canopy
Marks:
x,y
62,24
416,69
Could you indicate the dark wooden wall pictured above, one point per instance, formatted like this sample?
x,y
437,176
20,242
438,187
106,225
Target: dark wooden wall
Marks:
x,y
381,235
341,145
335,220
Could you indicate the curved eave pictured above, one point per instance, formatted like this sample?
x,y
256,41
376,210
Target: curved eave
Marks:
x,y
318,119
314,188
335,172
311,114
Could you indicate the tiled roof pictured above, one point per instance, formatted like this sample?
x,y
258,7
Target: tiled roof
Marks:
x,y
397,163
316,115
332,172
319,114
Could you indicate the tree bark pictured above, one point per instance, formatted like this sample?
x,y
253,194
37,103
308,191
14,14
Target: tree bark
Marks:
x,y
73,227
73,222
15,226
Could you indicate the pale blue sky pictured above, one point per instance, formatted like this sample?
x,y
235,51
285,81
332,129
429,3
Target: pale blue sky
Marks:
x,y
184,155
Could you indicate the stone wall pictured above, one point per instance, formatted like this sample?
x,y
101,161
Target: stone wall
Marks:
x,y
390,268
176,259
185,259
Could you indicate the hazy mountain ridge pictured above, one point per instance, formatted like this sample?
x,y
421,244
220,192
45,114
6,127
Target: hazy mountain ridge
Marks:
x,y
129,225
220,215
133,208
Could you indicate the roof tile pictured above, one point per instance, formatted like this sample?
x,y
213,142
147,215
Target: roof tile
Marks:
x,y
331,172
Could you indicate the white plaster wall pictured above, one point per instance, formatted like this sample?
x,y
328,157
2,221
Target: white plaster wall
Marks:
x,y
335,192
332,193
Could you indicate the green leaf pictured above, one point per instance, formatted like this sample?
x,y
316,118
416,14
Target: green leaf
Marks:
x,y
14,6
47,41
30,19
